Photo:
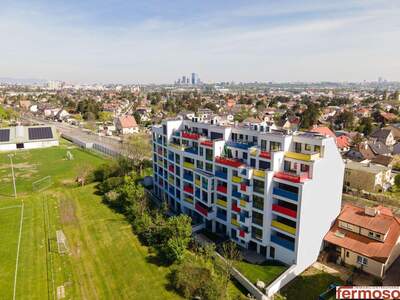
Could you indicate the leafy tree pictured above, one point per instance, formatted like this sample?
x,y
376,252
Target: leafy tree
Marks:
x,y
310,116
105,116
231,254
345,120
366,127
397,181
138,149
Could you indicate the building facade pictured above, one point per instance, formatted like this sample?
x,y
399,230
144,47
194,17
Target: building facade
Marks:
x,y
269,191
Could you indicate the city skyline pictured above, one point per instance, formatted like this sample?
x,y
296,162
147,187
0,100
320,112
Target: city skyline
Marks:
x,y
151,42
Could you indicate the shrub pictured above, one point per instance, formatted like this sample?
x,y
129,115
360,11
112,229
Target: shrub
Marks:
x,y
110,184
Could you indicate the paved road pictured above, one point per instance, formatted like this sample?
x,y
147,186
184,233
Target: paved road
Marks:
x,y
80,133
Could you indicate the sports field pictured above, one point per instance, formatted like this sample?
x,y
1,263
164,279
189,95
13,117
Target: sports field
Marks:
x,y
105,260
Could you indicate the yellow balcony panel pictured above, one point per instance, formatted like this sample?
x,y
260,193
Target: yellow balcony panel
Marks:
x,y
188,165
243,203
236,179
189,200
178,147
197,182
221,202
171,180
283,227
302,156
253,152
235,222
259,173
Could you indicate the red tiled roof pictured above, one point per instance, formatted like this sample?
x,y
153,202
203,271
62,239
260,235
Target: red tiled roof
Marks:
x,y
382,222
343,141
127,121
324,131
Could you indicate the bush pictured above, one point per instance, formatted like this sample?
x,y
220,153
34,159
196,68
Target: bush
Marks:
x,y
110,184
105,171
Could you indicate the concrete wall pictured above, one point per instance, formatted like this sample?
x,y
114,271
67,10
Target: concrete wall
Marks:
x,y
373,267
282,280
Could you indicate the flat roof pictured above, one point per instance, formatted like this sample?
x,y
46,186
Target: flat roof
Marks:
x,y
25,134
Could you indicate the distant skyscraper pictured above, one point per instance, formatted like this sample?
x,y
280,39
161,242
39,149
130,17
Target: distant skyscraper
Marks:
x,y
195,78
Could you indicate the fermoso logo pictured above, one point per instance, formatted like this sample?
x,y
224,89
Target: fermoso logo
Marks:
x,y
368,292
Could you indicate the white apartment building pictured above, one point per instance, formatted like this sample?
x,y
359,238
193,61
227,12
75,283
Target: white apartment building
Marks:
x,y
269,191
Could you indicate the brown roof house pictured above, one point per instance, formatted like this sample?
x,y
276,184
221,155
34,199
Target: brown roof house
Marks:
x,y
367,238
126,125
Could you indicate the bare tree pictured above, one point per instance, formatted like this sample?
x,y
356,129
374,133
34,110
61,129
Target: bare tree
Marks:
x,y
138,149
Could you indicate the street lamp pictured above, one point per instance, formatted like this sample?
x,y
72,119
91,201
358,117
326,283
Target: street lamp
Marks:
x,y
13,175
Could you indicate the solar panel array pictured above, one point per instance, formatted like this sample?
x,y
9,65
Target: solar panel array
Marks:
x,y
40,133
4,135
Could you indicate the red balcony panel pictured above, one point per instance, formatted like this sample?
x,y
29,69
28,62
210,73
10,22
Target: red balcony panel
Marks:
x,y
207,143
291,177
265,154
222,189
191,136
235,208
171,168
243,187
284,210
229,162
242,233
188,189
201,209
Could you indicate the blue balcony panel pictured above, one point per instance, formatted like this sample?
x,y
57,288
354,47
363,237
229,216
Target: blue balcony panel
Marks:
x,y
243,146
282,242
221,216
221,174
285,194
236,194
188,177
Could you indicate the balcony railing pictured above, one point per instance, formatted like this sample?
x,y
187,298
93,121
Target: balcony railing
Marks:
x,y
207,143
235,208
235,222
190,136
189,200
283,210
222,203
291,177
283,227
201,209
243,203
231,162
239,145
221,174
259,173
178,147
192,150
285,194
188,189
236,179
222,189
243,187
282,242
302,156
188,165
265,154
188,177
236,194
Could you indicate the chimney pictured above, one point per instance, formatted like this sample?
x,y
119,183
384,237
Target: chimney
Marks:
x,y
371,211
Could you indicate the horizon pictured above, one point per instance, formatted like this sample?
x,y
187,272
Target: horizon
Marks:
x,y
157,42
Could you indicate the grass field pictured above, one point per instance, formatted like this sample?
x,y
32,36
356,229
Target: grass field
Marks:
x,y
106,260
266,272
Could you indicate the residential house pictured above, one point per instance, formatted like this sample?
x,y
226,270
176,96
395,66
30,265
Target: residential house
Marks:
x,y
366,238
384,135
126,125
366,176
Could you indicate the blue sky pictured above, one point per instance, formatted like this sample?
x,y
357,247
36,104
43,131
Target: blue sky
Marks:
x,y
157,41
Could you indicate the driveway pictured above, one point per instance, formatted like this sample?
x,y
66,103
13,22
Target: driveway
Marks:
x,y
392,276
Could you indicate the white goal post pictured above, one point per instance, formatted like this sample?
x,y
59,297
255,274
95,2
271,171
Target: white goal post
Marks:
x,y
42,184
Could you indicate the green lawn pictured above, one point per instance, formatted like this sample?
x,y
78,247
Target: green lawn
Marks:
x,y
310,284
106,260
265,272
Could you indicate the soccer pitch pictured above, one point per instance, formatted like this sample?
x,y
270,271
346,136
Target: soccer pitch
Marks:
x,y
105,260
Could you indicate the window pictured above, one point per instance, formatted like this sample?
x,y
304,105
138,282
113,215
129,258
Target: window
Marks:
x,y
258,186
362,260
272,252
275,146
371,234
264,165
199,164
258,202
244,155
258,218
209,167
317,148
307,147
347,254
256,233
263,145
209,154
297,147
252,162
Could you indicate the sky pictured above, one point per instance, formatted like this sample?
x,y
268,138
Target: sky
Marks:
x,y
157,41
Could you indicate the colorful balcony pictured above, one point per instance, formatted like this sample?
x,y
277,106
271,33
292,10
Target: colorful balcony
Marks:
x,y
188,189
222,203
235,208
171,168
285,194
177,147
171,180
253,152
282,242
291,177
159,151
285,211
197,182
234,222
283,227
259,173
160,163
192,150
221,174
236,194
265,154
243,146
236,179
221,216
242,233
207,143
302,156
243,203
243,187
222,189
190,136
197,194
201,209
189,200
231,162
188,177
188,165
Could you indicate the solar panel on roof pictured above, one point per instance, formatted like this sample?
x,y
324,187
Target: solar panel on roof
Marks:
x,y
40,133
4,135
